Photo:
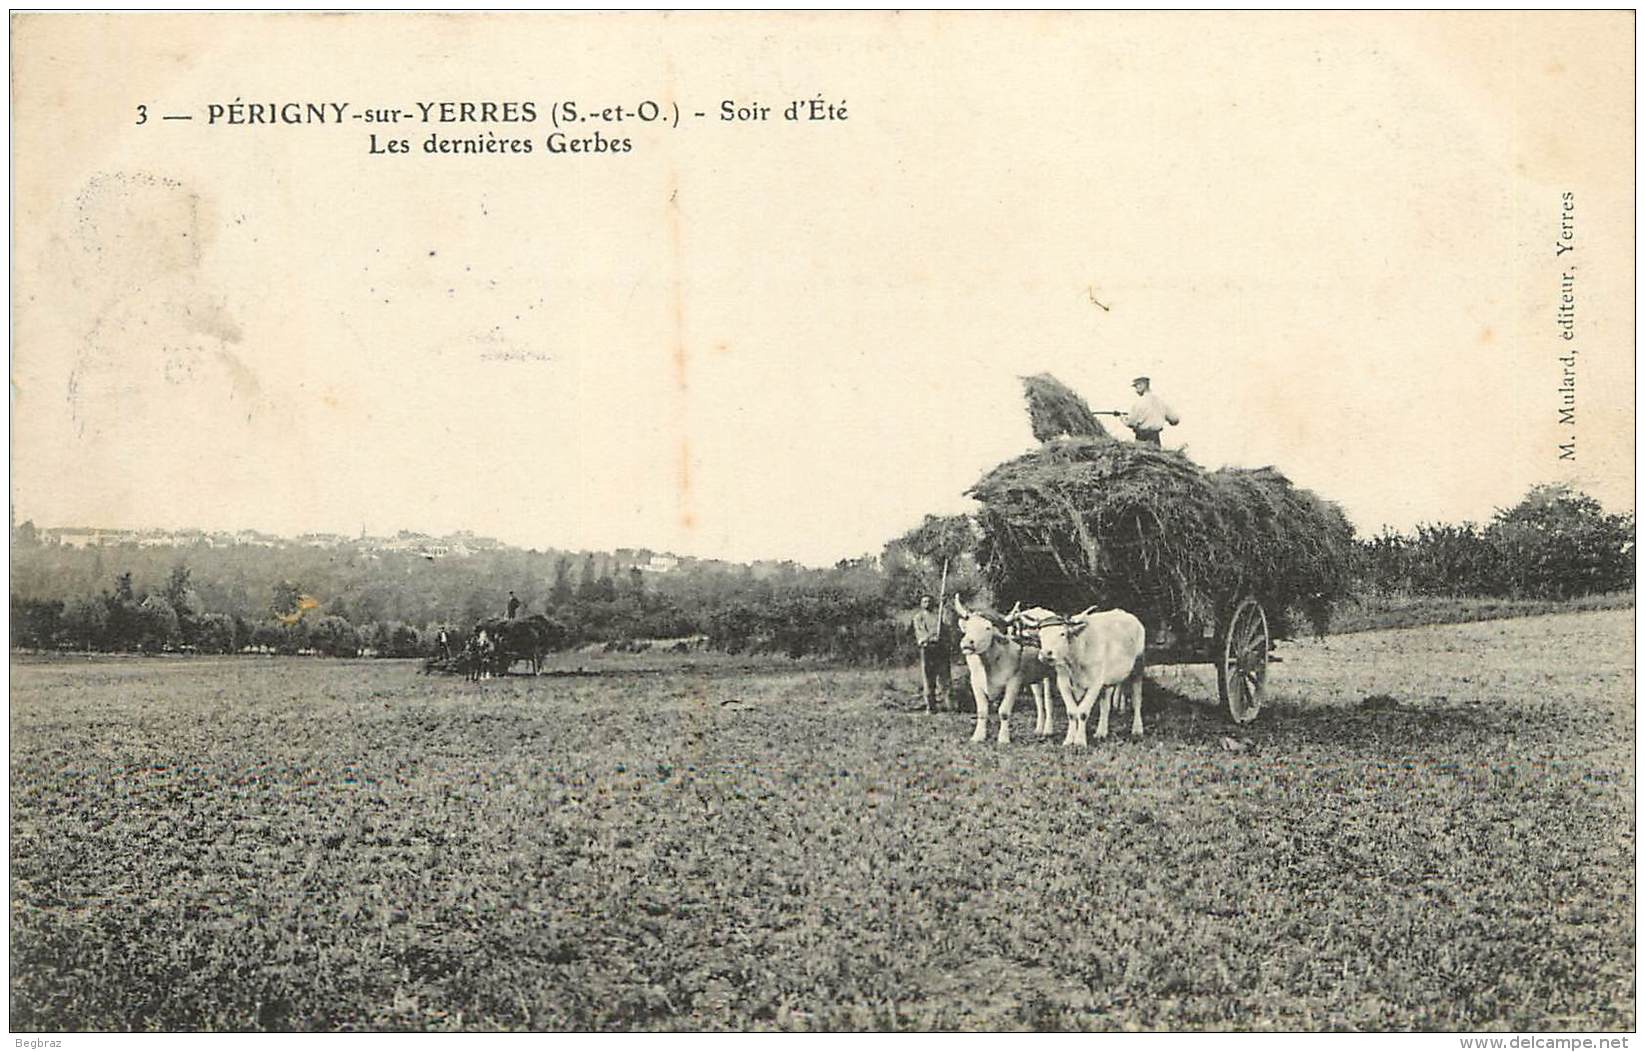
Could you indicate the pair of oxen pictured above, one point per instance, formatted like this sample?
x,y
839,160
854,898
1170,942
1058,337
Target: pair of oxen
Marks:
x,y
1092,657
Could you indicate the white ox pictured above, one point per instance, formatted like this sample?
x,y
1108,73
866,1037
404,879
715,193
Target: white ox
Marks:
x,y
999,667
1095,654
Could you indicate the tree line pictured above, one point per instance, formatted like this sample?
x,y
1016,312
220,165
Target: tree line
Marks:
x,y
1556,543
208,600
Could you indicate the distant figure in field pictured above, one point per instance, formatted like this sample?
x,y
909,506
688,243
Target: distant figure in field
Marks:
x,y
930,638
443,641
513,605
1149,414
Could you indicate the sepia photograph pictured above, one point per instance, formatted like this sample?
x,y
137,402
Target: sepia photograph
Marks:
x,y
823,522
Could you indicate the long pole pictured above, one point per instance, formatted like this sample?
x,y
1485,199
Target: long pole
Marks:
x,y
942,587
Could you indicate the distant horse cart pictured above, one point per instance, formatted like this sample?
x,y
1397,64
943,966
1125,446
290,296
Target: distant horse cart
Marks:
x,y
496,645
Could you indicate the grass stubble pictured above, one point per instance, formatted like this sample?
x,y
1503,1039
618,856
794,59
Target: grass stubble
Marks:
x,y
1428,828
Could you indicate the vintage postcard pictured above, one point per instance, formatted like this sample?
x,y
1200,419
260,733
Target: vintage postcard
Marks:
x,y
823,522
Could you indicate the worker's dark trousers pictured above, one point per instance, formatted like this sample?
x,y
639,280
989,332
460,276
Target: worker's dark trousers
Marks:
x,y
934,669
1149,437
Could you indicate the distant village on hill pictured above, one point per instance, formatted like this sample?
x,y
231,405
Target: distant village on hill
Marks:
x,y
457,545
460,545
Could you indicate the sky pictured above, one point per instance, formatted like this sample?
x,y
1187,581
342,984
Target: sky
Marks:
x,y
1330,239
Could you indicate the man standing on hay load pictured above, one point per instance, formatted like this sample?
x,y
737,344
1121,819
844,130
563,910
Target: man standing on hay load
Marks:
x,y
1149,414
934,664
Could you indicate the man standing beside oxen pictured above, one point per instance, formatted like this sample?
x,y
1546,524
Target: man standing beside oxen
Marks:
x,y
931,635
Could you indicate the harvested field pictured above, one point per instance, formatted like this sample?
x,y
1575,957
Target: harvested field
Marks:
x,y
1427,829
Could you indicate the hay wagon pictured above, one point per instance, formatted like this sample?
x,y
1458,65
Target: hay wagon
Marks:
x,y
1237,639
1224,559
1240,646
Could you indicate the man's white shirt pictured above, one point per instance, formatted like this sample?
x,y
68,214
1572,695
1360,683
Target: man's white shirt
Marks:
x,y
1150,413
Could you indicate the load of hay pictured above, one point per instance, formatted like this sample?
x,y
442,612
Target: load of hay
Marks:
x,y
1087,519
1054,410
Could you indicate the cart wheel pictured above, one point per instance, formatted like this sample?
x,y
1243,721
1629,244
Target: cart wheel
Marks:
x,y
1242,665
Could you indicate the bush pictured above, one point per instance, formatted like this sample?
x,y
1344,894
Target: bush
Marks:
x,y
1558,543
35,622
298,637
334,637
406,642
821,622
215,634
154,625
737,628
1453,561
393,639
86,622
268,635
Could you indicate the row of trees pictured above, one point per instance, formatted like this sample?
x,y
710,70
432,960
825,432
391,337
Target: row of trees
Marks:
x,y
824,622
843,612
1557,543
123,622
375,587
828,622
